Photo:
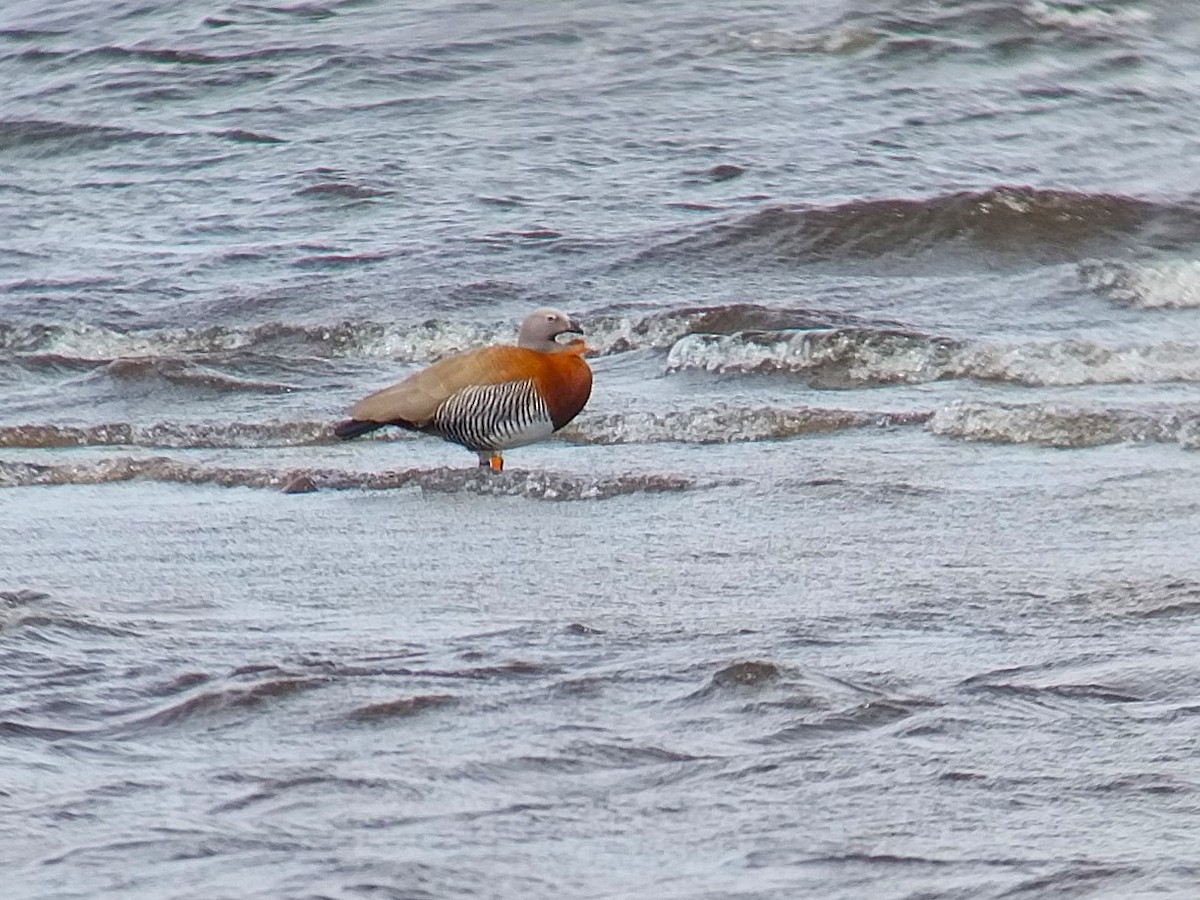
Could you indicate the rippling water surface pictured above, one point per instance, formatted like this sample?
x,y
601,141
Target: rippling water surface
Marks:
x,y
870,569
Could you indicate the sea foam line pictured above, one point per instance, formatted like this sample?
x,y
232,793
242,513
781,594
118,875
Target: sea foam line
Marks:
x,y
698,425
542,485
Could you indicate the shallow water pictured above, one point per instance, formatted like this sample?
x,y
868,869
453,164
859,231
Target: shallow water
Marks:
x,y
869,569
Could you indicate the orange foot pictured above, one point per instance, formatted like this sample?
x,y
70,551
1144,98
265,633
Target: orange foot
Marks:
x,y
496,462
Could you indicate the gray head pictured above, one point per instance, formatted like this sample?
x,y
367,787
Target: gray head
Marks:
x,y
542,326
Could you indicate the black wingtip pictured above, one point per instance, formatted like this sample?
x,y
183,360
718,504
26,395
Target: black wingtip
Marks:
x,y
353,428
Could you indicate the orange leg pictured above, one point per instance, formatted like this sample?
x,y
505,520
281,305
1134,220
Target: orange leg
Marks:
x,y
496,462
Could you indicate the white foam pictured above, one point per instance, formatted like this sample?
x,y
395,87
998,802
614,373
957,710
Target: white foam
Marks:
x,y
82,341
1084,16
538,485
838,40
1059,425
722,424
1162,285
423,342
1063,363
852,355
616,334
861,356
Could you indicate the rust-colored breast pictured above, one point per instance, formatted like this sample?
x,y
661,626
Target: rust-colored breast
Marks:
x,y
564,382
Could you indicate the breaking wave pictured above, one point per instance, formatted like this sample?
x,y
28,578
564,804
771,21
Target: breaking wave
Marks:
x,y
855,357
1050,424
1033,224
187,373
828,348
727,424
939,30
841,356
1163,285
212,701
1065,426
511,483
346,339
699,425
606,334
167,434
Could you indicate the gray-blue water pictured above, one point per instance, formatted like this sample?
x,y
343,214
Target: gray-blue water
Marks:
x,y
872,568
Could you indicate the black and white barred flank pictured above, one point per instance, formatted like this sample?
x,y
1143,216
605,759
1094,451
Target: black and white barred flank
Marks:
x,y
493,417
